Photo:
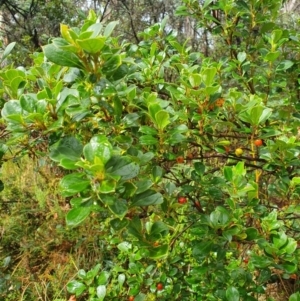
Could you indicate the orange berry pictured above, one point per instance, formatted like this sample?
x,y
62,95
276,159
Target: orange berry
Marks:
x,y
258,142
180,159
182,200
159,287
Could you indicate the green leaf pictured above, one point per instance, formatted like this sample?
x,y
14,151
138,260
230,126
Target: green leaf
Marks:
x,y
119,224
107,186
76,287
73,183
276,35
101,292
103,277
92,45
162,119
195,80
7,51
157,173
118,208
271,56
77,215
121,280
28,102
202,248
261,262
228,174
148,140
125,246
111,65
208,75
135,228
147,198
284,65
252,233
291,246
232,294
62,57
159,252
68,164
279,240
68,148
110,27
159,228
11,109
99,147
143,185
123,167
241,56
295,297
265,115
290,267
153,109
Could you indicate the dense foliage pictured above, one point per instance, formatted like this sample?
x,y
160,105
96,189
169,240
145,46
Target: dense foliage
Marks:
x,y
185,167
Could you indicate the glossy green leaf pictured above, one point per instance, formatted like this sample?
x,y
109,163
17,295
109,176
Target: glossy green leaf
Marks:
x,y
10,109
109,28
76,287
232,294
295,297
143,185
148,140
101,292
147,198
228,174
159,228
8,49
118,208
121,280
62,57
252,233
162,119
157,173
99,147
92,45
68,148
112,64
208,75
202,248
241,56
159,252
77,215
123,167
107,186
119,224
73,183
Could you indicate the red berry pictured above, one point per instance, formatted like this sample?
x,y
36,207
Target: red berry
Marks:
x,y
159,287
131,298
180,159
182,200
258,142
